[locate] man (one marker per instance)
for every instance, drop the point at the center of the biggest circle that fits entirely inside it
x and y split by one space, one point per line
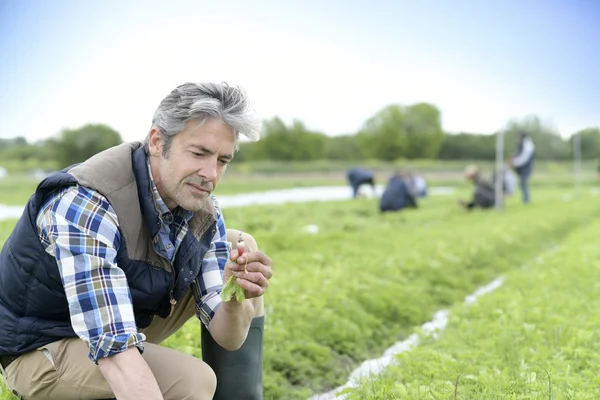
523 163
360 176
397 195
484 195
115 254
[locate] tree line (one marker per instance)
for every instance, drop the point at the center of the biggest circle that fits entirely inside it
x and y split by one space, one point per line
412 132
395 132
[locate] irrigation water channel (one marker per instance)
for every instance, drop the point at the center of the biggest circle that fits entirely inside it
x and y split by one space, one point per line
280 196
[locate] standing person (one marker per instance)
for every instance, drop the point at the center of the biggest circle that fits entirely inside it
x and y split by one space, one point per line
522 163
114 255
484 194
360 176
397 195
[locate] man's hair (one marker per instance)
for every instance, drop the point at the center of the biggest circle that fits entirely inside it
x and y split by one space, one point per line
206 101
471 170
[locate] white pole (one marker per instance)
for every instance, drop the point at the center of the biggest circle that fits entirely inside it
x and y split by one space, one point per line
577 163
499 170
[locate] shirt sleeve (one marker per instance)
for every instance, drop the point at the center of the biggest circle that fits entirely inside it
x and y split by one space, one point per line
207 287
80 229
527 151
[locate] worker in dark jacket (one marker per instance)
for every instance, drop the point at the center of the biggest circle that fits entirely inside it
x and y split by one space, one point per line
359 176
397 195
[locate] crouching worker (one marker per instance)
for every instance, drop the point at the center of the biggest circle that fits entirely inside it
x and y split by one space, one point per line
113 255
397 195
358 177
484 194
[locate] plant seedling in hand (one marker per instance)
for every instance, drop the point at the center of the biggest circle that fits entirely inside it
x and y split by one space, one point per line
232 289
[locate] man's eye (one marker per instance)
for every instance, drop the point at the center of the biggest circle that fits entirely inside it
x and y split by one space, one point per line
196 154
224 162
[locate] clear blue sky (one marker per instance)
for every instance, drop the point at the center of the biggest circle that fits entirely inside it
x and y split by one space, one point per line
332 64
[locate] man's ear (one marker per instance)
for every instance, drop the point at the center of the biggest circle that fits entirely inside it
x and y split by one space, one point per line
155 141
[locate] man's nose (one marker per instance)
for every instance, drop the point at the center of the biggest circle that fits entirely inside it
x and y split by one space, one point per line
209 170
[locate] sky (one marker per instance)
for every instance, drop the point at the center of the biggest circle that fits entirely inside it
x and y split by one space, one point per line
331 64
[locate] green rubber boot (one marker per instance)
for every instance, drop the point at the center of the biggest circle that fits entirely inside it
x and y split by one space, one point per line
239 372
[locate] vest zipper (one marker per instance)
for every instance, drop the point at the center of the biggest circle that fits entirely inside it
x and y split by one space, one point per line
173 303
172 300
171 295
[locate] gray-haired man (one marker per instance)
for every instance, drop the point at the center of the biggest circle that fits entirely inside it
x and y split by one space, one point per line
115 254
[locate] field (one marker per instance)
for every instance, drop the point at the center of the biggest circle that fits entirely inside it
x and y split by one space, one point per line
366 280
534 338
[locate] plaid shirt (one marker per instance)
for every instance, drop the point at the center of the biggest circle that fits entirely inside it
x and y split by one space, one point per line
79 227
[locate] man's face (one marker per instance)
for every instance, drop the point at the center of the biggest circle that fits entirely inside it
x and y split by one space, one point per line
194 164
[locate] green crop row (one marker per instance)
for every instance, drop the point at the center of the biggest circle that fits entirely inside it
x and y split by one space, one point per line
366 280
536 337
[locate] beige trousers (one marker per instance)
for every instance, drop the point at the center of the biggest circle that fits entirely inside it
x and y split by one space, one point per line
62 370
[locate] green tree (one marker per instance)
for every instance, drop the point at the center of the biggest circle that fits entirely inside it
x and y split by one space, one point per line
383 135
590 142
402 132
468 146
424 129
281 142
344 147
77 145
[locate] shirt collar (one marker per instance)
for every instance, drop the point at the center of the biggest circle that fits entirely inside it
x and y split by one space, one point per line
161 206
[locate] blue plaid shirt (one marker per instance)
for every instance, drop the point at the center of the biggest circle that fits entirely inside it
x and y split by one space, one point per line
173 226
79 227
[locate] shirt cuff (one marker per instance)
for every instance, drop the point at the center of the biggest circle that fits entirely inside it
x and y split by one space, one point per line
210 303
109 345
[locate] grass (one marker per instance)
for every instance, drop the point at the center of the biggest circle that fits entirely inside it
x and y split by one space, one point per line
367 280
16 189
534 338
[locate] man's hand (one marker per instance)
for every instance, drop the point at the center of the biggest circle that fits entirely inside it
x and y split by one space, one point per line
232 319
256 280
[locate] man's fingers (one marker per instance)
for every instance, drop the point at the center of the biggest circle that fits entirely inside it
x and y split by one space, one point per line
252 289
253 256
234 254
253 267
254 277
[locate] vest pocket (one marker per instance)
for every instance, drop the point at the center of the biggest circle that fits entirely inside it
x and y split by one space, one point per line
156 265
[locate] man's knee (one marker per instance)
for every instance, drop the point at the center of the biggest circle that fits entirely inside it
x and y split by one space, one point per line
206 390
195 383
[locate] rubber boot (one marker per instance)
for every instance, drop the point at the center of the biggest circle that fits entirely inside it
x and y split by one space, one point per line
239 372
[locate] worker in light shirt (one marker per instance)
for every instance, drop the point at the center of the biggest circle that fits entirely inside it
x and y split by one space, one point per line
522 163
